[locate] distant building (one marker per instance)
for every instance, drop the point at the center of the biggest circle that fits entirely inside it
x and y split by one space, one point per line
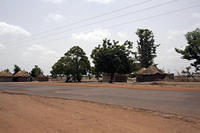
116 78
152 73
22 76
41 77
5 76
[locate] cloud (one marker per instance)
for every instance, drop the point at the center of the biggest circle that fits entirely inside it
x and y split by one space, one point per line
174 34
2 47
40 52
54 17
54 1
196 15
101 1
7 29
122 35
96 35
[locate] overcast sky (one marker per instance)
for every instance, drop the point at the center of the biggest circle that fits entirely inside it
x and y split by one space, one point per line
39 32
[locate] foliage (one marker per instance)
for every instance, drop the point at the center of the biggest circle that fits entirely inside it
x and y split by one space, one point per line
16 69
146 47
192 50
110 57
97 74
188 72
6 70
36 71
73 64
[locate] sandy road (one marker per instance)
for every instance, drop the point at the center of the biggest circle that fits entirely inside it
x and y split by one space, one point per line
33 114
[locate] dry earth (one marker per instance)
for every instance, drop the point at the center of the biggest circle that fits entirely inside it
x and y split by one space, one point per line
33 114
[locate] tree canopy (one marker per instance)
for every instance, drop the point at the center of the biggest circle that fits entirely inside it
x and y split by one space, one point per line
36 71
146 47
16 69
111 57
192 50
73 64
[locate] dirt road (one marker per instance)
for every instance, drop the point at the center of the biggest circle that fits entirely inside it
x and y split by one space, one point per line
33 114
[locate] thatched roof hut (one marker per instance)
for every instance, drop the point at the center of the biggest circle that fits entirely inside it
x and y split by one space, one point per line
41 77
152 73
22 76
5 76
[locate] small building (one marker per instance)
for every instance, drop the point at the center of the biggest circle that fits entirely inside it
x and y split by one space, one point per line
41 77
152 73
116 78
22 76
5 76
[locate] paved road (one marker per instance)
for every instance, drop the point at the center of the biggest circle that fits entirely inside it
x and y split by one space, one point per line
182 103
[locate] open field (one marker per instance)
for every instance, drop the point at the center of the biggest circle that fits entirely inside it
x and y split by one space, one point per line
22 114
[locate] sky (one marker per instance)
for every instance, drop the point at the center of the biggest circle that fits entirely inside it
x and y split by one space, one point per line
39 32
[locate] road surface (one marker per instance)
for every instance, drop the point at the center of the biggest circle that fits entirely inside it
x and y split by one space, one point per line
172 102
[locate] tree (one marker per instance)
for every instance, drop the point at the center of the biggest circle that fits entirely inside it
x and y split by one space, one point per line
6 70
73 64
16 69
110 57
36 71
94 72
58 68
146 47
192 50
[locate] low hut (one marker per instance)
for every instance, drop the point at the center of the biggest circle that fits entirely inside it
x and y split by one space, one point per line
41 77
21 76
116 78
5 76
152 73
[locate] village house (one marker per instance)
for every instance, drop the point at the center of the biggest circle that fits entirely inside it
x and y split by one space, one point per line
5 76
152 73
22 76
116 78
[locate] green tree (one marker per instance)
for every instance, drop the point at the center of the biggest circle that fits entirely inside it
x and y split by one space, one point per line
16 69
6 70
146 47
36 71
94 72
192 50
58 69
110 57
73 64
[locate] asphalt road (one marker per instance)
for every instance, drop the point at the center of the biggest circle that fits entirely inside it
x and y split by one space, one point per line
173 102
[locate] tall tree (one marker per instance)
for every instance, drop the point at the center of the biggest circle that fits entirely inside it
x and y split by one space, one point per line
192 50
73 64
16 69
36 71
110 57
146 47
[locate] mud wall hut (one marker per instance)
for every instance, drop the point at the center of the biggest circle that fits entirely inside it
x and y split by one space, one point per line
41 77
22 76
116 78
5 76
152 73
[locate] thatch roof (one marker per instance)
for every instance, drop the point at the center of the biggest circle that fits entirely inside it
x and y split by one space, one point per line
151 70
22 74
141 70
5 74
41 75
